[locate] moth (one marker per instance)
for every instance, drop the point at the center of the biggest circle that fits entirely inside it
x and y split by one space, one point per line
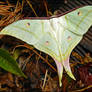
56 36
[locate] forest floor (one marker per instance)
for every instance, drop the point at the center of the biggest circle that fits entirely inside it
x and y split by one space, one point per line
39 67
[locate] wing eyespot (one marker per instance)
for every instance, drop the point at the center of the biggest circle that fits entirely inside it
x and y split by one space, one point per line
47 43
69 38
28 24
79 13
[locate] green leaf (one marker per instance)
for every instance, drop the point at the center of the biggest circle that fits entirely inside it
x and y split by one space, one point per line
8 63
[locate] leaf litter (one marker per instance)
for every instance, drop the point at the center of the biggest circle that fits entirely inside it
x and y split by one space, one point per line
39 67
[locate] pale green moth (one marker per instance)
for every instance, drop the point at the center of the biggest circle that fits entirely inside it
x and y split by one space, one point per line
56 36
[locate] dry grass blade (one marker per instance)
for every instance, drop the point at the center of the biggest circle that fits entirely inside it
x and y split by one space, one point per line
23 1
45 4
32 8
45 79
2 2
5 9
8 14
27 46
18 6
81 90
